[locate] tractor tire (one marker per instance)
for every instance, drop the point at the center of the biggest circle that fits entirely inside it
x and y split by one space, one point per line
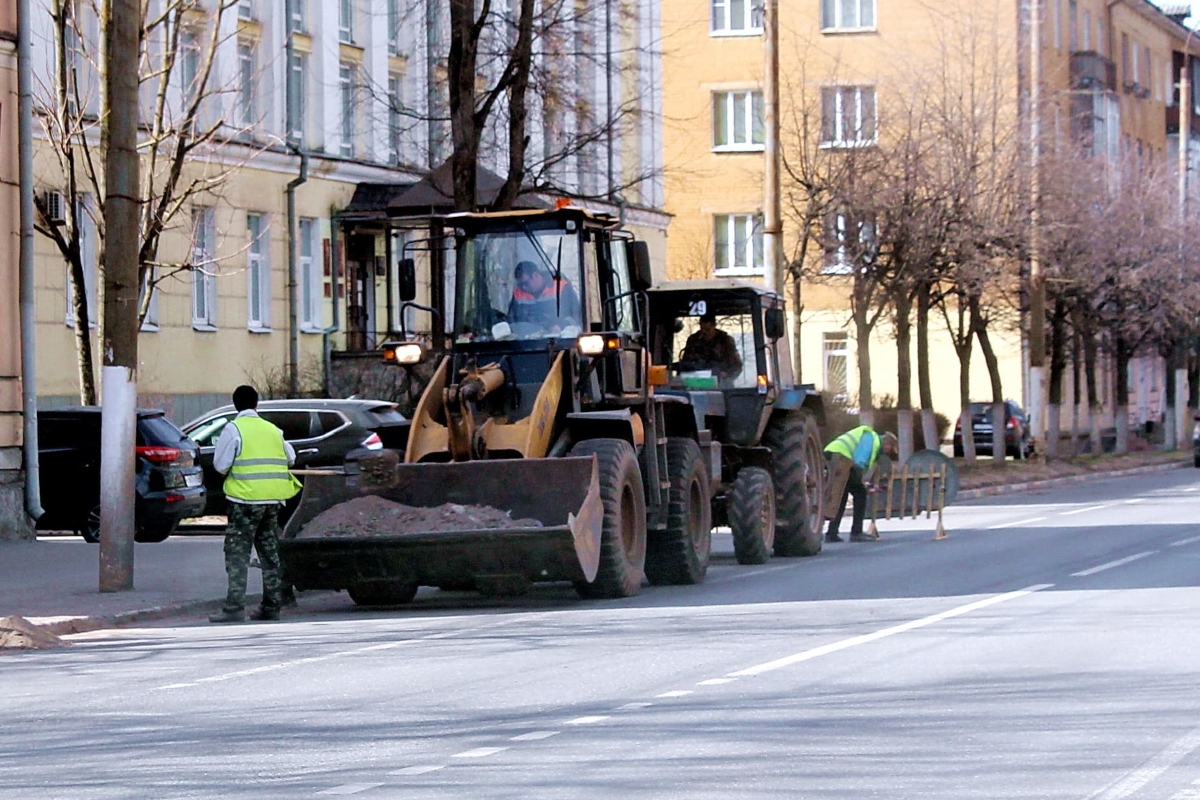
799 483
679 555
751 508
382 594
623 532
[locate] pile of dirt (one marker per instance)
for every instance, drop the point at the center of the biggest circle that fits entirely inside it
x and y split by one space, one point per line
371 515
16 633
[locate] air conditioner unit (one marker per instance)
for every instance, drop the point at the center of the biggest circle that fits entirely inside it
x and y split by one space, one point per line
54 205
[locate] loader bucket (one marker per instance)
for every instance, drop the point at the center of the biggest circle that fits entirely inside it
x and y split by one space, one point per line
563 494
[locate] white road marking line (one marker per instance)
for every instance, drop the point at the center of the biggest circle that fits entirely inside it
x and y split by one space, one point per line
1111 564
534 736
634 706
677 693
1137 778
854 641
715 681
350 788
330 656
584 720
1083 510
1182 542
1014 524
418 770
752 573
479 752
1135 500
1191 488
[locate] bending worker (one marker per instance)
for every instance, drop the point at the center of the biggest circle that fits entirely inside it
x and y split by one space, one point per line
852 460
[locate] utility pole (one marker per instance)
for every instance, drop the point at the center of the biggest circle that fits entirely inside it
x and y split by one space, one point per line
121 25
1182 428
772 229
1037 282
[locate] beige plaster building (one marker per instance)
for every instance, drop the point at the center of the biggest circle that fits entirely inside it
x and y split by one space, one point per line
1109 71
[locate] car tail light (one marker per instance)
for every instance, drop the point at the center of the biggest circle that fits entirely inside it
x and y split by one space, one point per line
175 498
373 442
160 455
1012 423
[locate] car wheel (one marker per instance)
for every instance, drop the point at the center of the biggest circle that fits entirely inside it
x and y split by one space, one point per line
89 526
153 535
958 450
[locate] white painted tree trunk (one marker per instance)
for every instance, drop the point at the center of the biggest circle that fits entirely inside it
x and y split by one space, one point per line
118 440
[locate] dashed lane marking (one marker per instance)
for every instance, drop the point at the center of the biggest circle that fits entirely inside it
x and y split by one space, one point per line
479 752
1083 510
676 693
1182 542
534 736
715 681
634 706
350 788
912 625
420 769
1135 500
585 720
1015 524
1119 562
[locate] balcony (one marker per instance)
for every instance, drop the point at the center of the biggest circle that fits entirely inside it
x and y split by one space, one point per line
1091 71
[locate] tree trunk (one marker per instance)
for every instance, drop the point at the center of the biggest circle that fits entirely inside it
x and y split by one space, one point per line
963 335
1121 390
797 361
1058 366
520 60
979 325
1095 443
862 330
903 319
929 437
1168 423
464 43
1076 389
83 337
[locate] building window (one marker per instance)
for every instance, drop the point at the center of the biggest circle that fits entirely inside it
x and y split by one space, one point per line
847 243
258 274
204 278
296 98
394 11
346 21
738 121
246 10
847 15
836 352
88 259
310 277
738 244
1086 29
298 23
149 284
737 16
189 66
848 116
395 104
247 91
348 83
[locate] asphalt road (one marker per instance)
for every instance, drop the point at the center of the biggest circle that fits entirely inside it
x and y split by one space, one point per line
1046 649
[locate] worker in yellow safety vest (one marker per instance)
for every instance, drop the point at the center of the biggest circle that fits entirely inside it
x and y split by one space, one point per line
852 458
254 457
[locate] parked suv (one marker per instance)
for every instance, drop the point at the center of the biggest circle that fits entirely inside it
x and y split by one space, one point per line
1016 430
321 431
168 480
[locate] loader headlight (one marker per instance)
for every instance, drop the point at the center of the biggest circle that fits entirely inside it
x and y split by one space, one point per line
591 344
403 353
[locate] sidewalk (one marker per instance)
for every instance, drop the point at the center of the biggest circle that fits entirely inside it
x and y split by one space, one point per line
53 582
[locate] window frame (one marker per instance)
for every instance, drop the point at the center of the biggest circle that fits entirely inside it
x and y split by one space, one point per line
89 259
346 14
750 108
247 56
307 229
751 242
837 257
258 272
297 98
395 101
752 18
838 139
348 103
837 10
204 283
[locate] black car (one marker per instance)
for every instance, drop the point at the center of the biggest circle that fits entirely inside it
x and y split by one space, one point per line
169 481
1017 441
321 431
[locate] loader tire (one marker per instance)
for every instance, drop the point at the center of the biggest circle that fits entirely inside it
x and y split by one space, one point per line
623 531
751 508
382 594
795 443
679 555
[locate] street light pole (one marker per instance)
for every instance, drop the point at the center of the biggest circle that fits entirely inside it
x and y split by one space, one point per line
1182 429
1037 283
772 229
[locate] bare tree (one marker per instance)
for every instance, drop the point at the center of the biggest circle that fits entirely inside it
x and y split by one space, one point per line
181 124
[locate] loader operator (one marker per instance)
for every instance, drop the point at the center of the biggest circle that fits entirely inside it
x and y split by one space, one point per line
712 348
542 301
852 459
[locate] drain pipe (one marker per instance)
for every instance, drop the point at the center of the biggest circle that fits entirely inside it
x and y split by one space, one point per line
33 487
293 329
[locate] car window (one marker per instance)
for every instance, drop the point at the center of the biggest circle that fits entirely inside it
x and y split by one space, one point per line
384 415
63 432
294 424
329 421
158 430
206 433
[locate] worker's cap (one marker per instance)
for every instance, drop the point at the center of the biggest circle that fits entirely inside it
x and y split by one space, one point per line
528 268
890 438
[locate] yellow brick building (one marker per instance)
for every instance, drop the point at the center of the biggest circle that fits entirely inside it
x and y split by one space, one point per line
845 66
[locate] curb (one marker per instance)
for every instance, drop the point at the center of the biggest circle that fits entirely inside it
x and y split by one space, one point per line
71 625
1069 480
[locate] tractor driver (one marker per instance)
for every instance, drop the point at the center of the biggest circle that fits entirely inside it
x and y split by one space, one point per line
713 348
540 300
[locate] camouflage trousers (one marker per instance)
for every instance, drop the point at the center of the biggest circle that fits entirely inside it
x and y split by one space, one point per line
254 526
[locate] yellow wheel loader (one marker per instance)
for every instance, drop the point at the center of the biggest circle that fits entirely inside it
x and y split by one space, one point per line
544 407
